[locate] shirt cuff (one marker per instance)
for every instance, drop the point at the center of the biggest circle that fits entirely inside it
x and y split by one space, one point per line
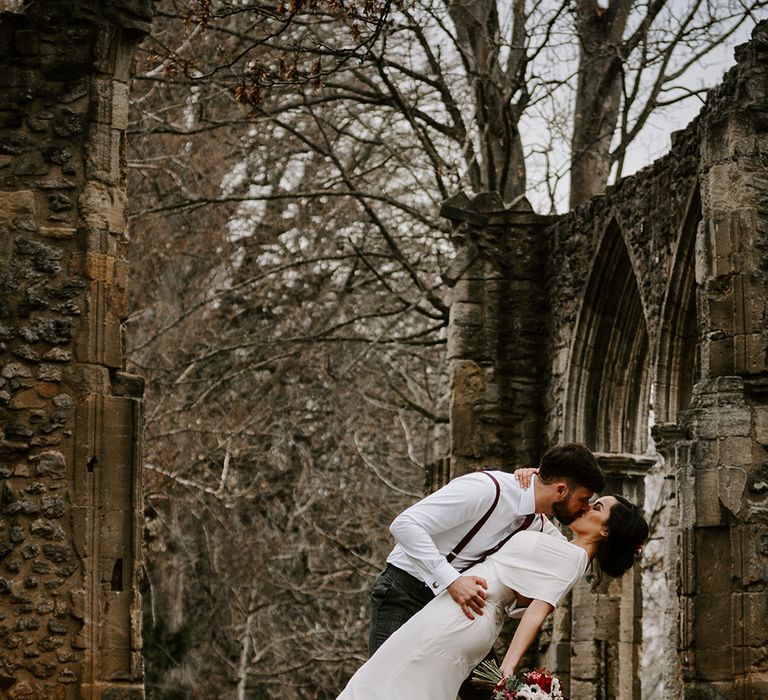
443 577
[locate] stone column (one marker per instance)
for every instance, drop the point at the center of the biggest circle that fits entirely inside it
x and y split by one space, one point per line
496 336
606 617
668 437
722 562
722 472
70 453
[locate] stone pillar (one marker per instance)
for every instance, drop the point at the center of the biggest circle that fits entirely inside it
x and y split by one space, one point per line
70 454
722 472
496 335
667 437
723 571
606 616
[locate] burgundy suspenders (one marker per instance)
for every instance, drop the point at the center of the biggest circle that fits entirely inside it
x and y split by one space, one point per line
476 528
526 523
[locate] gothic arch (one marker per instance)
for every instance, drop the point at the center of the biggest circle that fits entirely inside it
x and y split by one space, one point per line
607 393
677 359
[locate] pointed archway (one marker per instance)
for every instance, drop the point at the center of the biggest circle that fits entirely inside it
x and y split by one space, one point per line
607 402
607 394
677 369
677 357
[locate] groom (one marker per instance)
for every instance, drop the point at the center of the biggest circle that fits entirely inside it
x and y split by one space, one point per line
466 521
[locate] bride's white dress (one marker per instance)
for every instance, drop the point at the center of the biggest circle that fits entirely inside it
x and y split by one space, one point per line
429 657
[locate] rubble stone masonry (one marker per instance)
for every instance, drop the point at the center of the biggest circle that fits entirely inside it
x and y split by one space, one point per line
70 498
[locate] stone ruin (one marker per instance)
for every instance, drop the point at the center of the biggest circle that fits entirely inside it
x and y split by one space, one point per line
652 297
70 448
643 308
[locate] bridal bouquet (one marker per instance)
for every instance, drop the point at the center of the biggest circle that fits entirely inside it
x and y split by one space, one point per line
533 685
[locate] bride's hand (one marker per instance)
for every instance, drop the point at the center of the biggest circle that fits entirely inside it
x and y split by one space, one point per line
469 593
524 475
506 672
502 684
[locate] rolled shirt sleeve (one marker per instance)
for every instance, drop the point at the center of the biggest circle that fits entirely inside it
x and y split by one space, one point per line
460 503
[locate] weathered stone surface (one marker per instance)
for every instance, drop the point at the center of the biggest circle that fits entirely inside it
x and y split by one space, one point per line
50 463
28 399
123 693
566 329
58 554
35 257
53 506
12 370
22 691
64 78
49 330
49 373
464 314
47 530
58 355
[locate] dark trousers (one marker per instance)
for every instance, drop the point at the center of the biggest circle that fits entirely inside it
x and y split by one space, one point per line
397 596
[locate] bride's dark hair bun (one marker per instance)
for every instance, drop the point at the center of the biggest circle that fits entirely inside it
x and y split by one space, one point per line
627 531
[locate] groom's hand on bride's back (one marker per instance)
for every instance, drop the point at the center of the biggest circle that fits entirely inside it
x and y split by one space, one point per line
469 593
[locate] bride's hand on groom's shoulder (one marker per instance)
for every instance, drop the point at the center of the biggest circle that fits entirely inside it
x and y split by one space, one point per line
524 475
469 594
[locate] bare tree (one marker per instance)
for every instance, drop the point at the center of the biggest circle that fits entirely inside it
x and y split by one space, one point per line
633 57
286 168
295 371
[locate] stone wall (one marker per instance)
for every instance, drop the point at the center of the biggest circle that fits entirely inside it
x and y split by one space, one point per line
647 302
494 346
70 497
721 458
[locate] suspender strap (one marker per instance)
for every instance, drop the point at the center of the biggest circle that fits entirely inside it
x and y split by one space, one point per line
526 524
476 527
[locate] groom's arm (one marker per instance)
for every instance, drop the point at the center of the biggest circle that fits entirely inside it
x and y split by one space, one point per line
469 593
461 502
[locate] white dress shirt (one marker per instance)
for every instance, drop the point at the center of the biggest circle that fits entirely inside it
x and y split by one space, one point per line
427 531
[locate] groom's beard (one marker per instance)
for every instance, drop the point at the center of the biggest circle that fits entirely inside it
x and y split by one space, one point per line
561 512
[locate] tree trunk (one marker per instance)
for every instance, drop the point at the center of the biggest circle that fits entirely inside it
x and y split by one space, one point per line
478 37
598 95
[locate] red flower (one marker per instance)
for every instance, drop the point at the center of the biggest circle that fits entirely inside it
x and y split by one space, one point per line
540 678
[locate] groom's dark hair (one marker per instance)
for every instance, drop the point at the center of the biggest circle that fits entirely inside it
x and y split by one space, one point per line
574 464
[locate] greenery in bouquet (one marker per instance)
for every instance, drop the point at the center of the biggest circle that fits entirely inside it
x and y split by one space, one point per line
538 684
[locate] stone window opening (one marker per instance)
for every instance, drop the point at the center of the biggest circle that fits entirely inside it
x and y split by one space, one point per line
678 368
116 584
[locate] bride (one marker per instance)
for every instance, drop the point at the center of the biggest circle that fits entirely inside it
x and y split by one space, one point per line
429 657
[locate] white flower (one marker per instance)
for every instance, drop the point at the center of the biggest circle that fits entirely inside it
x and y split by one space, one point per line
534 692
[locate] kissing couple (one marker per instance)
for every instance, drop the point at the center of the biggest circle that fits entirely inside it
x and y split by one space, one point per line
480 545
